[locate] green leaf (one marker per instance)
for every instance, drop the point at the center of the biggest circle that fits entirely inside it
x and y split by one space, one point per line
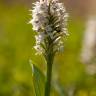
38 80
59 88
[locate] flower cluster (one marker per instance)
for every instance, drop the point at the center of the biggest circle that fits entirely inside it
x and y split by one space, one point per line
49 20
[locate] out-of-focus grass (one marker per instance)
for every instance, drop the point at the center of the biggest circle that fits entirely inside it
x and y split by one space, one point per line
16 41
15 50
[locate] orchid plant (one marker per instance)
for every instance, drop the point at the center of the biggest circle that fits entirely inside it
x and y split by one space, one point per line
49 21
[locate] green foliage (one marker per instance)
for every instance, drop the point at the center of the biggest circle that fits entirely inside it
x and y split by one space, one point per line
59 88
16 41
38 81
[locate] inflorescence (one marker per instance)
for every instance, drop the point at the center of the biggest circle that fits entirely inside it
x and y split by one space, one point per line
49 20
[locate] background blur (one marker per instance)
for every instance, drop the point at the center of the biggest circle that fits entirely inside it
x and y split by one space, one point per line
17 40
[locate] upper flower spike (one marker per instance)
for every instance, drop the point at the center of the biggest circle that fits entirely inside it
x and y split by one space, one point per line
49 20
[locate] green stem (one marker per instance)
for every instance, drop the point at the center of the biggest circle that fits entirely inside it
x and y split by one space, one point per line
48 80
48 74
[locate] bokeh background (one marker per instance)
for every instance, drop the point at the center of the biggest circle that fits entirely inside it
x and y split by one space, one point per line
17 40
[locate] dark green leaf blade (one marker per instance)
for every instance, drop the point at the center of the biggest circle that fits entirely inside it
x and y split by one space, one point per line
38 80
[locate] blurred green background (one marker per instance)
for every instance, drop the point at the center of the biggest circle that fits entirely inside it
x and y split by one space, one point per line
16 43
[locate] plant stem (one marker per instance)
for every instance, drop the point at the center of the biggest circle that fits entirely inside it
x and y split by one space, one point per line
48 75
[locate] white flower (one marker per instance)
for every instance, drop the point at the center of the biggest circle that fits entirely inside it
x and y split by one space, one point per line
38 49
49 20
61 49
48 28
39 38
